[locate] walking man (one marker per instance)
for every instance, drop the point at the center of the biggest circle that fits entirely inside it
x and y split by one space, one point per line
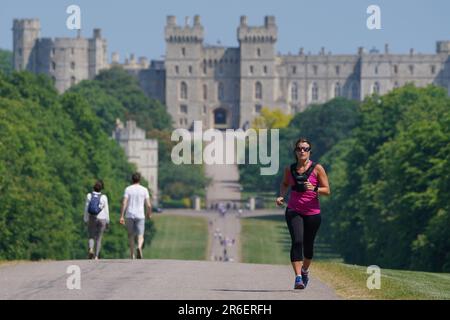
132 213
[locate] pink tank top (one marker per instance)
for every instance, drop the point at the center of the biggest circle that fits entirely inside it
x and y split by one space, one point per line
305 203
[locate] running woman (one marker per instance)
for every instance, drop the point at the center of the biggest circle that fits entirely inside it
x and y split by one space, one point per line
307 181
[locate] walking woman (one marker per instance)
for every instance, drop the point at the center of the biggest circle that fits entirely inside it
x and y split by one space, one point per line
96 215
307 181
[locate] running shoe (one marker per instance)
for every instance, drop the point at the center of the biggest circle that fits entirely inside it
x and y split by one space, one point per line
299 283
91 254
139 253
305 277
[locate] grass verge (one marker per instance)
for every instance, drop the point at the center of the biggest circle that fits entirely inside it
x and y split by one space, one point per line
178 237
266 240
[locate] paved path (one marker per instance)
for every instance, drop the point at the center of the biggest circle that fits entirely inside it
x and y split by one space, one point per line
224 187
156 280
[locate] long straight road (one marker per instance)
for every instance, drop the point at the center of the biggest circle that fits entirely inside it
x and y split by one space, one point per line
155 280
224 187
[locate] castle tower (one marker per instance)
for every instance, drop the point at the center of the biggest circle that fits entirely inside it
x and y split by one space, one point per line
184 46
141 151
97 54
25 34
257 74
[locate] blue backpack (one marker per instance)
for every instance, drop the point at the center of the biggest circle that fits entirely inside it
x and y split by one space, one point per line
94 207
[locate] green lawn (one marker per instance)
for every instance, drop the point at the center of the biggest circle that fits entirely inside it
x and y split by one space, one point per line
178 237
266 240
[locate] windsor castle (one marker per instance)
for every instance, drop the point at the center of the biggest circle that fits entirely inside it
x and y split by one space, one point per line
226 87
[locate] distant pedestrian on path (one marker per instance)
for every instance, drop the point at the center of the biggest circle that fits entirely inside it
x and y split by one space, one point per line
132 213
307 181
96 215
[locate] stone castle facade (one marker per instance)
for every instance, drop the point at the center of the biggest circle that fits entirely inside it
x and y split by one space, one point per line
141 151
226 87
66 60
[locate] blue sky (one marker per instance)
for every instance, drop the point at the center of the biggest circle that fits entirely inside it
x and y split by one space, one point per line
136 26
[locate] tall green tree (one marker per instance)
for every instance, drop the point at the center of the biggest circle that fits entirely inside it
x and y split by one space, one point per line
391 194
52 149
6 61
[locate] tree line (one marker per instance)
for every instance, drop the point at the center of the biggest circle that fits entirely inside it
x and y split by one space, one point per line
52 149
388 163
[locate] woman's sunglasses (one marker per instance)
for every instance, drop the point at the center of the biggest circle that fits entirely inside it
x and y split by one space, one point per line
306 149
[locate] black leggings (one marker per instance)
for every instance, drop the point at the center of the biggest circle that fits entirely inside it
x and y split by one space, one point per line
303 230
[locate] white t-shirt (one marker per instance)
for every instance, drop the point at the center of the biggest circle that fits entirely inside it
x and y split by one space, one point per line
104 214
136 195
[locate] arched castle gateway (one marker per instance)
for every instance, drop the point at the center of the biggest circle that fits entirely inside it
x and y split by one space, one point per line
226 87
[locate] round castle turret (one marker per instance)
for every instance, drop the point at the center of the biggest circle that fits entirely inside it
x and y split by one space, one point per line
25 34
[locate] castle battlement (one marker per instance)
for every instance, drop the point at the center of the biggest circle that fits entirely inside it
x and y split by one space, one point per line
254 34
32 23
187 33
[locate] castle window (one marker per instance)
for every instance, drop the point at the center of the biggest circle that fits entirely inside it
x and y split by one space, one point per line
294 70
204 67
73 80
294 91
72 65
396 69
376 88
221 91
258 90
177 70
183 109
53 66
190 69
265 69
376 70
338 70
258 108
258 52
183 52
204 109
411 69
53 51
337 90
315 70
205 92
183 91
220 69
251 69
433 69
314 92
396 85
